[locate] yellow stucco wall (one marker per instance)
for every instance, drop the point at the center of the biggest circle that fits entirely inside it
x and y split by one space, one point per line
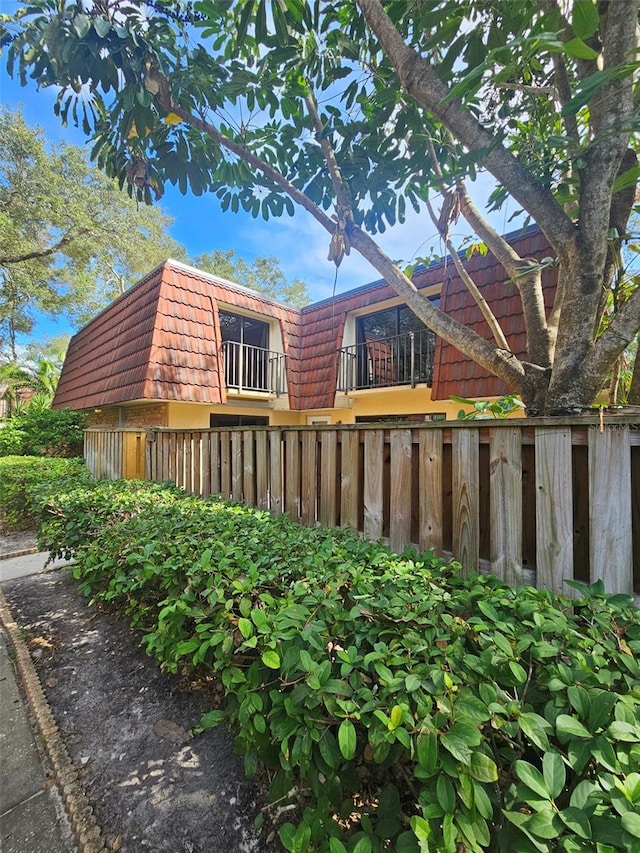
382 402
385 402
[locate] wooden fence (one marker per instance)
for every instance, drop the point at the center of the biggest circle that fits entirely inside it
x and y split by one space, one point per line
534 502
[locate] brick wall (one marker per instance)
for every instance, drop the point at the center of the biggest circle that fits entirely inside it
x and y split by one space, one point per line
139 416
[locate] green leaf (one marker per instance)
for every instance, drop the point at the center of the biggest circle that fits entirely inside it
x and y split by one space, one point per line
82 25
482 768
532 778
577 49
449 834
554 773
600 709
347 739
585 18
428 751
329 750
101 26
396 717
271 658
631 823
580 700
535 728
625 732
457 747
577 821
420 827
446 794
412 682
406 843
544 824
336 846
568 727
245 626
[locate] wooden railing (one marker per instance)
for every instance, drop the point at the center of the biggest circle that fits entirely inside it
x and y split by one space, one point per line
534 503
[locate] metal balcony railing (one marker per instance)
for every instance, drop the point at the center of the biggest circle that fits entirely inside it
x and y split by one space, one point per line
249 368
383 362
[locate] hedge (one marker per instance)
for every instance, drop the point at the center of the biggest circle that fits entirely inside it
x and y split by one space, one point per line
394 703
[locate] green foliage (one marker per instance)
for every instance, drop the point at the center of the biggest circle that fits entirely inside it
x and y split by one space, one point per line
396 703
27 482
37 430
69 240
263 275
484 409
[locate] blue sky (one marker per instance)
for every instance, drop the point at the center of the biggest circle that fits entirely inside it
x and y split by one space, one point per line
298 242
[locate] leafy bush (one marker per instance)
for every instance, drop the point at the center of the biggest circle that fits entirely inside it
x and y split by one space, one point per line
43 432
395 704
27 482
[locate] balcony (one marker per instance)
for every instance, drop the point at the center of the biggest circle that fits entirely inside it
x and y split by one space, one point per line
249 369
386 362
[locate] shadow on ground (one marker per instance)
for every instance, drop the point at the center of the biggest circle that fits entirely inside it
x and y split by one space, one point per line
126 724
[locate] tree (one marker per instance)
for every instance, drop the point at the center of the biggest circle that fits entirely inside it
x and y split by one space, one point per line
69 240
263 274
362 108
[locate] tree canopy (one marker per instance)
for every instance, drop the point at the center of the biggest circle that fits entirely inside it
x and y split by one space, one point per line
356 110
70 241
263 274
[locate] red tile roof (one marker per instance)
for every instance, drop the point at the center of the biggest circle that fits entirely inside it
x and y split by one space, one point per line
161 339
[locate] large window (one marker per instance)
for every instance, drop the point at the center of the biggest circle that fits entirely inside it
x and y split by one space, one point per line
393 347
245 344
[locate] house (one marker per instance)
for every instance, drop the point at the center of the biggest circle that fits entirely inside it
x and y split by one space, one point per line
188 350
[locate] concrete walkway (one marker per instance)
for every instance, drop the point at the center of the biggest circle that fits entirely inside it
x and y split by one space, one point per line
32 818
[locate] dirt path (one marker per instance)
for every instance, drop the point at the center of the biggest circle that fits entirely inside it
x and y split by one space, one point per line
125 726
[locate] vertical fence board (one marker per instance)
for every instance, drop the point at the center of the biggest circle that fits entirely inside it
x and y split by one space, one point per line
205 462
554 502
262 468
505 503
328 476
430 490
188 462
349 451
308 497
401 497
610 536
248 469
225 464
196 483
292 474
276 503
236 465
214 455
373 483
466 501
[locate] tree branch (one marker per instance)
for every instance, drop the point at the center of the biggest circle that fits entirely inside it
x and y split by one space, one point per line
469 283
422 82
42 253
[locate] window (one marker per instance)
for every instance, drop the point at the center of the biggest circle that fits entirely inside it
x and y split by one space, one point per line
393 347
216 420
245 342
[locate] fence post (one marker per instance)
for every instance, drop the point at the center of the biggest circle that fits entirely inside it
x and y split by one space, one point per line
554 509
610 533
505 496
466 498
430 490
373 483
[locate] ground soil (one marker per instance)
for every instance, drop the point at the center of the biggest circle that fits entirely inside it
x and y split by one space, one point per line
126 724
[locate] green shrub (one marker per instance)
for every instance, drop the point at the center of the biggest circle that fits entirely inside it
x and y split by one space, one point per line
43 432
26 483
395 704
